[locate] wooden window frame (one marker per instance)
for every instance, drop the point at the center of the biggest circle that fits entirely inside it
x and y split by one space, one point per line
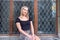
11 19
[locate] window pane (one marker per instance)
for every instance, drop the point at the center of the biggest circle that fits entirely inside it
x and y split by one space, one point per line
47 16
4 17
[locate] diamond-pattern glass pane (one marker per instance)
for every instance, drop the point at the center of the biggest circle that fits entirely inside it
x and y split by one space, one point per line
17 7
47 16
4 17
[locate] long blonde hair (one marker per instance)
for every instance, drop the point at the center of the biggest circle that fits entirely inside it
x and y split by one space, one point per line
24 7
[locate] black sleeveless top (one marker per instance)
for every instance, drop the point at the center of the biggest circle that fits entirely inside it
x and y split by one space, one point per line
25 25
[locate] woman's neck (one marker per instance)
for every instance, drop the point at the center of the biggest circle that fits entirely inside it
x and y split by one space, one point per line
23 18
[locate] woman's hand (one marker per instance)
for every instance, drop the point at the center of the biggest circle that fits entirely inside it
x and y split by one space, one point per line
33 37
36 37
30 37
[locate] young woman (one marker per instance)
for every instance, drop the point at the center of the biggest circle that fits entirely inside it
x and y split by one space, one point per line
24 24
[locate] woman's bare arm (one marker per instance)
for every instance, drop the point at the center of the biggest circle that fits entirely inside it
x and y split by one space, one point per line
20 30
32 29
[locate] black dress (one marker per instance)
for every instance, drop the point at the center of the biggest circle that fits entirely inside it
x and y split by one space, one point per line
25 25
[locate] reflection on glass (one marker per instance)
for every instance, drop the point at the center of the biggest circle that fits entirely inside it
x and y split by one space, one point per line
53 9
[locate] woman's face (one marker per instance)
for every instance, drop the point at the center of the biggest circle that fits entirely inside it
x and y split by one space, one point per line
25 11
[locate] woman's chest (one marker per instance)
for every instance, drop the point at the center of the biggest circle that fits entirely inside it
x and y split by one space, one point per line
25 22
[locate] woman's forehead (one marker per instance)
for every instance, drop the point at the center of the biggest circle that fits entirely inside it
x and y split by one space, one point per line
26 8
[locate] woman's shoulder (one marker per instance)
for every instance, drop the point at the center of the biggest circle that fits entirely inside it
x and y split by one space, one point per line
17 20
